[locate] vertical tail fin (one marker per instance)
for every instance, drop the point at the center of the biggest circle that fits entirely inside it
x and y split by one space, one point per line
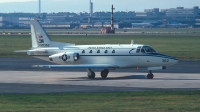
40 39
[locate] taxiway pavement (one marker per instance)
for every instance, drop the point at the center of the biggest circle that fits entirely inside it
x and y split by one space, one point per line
24 64
18 77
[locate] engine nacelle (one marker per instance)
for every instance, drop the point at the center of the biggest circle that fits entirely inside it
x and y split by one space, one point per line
66 57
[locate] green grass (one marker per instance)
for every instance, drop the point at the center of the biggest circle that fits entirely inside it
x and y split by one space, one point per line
182 47
103 102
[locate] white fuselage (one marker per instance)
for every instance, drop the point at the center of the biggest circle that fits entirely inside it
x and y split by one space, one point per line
124 56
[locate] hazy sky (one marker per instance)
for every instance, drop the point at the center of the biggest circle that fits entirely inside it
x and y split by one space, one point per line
7 6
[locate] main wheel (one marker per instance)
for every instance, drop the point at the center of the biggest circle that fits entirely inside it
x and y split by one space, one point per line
92 76
150 76
104 73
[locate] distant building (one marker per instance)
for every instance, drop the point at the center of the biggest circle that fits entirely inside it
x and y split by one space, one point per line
189 16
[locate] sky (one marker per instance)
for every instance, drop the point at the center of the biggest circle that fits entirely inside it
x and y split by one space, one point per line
31 6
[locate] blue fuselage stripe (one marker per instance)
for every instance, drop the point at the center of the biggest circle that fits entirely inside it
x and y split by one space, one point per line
150 54
162 56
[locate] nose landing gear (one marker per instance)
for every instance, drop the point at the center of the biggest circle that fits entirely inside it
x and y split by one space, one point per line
150 75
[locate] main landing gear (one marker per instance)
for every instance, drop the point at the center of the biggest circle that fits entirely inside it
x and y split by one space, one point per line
150 75
91 74
104 73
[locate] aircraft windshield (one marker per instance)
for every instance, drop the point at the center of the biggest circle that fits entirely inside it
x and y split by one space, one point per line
147 49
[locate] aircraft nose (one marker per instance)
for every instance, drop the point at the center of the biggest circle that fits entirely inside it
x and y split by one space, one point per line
174 60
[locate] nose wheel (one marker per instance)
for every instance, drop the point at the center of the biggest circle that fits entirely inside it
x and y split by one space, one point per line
150 75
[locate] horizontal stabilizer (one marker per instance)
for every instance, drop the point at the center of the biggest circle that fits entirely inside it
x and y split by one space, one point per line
78 66
21 51
31 52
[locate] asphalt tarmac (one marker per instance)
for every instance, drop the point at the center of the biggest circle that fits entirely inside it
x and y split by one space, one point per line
18 77
24 64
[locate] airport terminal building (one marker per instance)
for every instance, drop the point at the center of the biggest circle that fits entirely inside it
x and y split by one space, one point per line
187 17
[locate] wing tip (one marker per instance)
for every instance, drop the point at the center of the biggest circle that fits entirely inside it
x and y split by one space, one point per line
41 66
35 66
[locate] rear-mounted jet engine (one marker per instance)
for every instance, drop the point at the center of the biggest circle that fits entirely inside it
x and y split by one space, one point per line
66 57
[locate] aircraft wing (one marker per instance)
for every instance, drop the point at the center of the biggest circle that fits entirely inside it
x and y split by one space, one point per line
102 66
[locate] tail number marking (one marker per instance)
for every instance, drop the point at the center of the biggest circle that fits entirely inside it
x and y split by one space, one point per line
165 60
44 45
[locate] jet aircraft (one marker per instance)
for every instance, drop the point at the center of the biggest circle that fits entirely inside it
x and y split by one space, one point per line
106 57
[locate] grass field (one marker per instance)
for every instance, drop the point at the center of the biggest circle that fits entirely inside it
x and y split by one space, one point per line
103 102
181 47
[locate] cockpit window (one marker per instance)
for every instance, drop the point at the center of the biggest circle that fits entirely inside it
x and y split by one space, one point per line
147 49
143 51
138 49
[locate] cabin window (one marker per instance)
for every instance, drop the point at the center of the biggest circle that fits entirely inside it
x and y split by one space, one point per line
113 51
90 51
98 51
83 51
106 51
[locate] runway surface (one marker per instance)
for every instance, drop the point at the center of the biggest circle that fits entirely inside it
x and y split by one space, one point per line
17 76
24 64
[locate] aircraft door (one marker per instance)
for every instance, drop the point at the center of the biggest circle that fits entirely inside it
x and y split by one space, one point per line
138 57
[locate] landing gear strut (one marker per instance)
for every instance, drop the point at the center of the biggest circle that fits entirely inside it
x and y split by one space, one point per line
104 73
91 74
150 75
